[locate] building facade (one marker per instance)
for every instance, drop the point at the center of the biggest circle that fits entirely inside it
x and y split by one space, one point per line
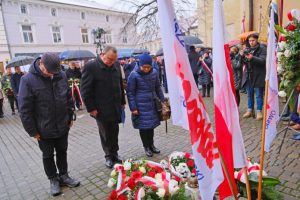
37 26
235 11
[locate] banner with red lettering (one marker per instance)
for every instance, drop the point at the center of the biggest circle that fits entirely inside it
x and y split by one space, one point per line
188 109
272 116
228 130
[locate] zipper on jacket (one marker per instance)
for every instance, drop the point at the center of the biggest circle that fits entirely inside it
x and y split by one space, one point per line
53 97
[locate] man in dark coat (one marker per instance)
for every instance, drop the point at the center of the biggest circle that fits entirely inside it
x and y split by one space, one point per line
194 58
7 89
46 111
254 56
103 94
128 68
237 71
15 82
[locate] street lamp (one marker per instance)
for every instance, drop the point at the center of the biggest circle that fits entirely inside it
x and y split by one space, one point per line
98 38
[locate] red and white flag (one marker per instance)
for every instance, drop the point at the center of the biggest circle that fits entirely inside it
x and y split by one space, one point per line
228 130
272 116
188 109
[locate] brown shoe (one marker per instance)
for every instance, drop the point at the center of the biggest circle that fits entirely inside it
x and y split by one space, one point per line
296 127
259 115
247 114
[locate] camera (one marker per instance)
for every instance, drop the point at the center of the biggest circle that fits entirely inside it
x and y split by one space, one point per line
247 51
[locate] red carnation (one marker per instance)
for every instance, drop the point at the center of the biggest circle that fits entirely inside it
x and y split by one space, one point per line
290 16
187 155
131 183
194 171
291 27
122 197
151 174
190 163
137 174
113 195
282 38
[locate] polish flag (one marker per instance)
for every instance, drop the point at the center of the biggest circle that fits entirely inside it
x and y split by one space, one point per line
272 116
228 130
188 109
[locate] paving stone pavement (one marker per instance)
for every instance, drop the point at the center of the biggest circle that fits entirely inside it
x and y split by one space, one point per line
22 175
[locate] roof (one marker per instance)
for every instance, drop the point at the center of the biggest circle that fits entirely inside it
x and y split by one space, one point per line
85 3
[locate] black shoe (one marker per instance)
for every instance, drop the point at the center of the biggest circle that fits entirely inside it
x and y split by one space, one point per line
66 180
117 159
208 95
148 152
54 186
109 163
154 149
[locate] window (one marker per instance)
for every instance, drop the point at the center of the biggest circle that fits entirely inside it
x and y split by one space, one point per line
107 18
124 38
23 9
56 34
53 12
107 37
82 15
27 34
84 35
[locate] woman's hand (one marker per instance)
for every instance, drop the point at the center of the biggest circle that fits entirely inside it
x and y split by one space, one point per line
135 112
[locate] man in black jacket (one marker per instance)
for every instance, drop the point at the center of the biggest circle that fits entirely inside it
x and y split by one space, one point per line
194 58
254 57
103 94
15 82
46 111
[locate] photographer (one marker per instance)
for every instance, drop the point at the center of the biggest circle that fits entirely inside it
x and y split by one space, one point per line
254 57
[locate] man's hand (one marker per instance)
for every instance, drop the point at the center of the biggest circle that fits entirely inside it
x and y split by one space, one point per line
37 137
135 112
94 113
249 56
71 124
241 52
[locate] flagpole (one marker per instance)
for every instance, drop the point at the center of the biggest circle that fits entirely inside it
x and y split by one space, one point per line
263 137
247 183
227 175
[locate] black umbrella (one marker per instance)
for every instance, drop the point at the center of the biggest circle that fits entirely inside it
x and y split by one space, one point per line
160 52
191 40
76 55
20 61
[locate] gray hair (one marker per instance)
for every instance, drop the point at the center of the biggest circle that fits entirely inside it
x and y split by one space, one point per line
108 49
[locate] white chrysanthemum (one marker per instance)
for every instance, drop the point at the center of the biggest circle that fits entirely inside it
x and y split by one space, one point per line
287 53
173 186
113 173
280 69
282 94
111 182
127 165
142 169
282 45
161 192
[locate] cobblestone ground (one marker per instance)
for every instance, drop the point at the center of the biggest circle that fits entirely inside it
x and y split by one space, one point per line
22 175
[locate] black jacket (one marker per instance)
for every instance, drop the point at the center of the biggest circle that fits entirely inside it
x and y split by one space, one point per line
256 67
237 70
194 58
102 90
15 82
73 73
45 104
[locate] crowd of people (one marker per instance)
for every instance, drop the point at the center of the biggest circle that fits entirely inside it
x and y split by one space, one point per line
46 99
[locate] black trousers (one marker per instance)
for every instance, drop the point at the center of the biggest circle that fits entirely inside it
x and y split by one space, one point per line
237 96
1 107
147 136
109 133
206 90
60 145
12 101
196 77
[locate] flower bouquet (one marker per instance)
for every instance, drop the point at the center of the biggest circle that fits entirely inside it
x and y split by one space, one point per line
288 54
268 193
143 179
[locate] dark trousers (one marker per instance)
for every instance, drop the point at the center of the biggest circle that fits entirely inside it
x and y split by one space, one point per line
1 107
147 136
109 132
206 90
12 101
60 145
196 77
237 96
77 100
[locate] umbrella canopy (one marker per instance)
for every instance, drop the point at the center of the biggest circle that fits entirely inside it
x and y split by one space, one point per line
140 51
76 55
125 53
20 61
160 52
191 40
234 42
